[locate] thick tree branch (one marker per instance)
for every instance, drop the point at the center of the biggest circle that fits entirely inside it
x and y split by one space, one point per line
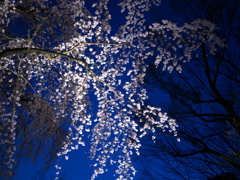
19 51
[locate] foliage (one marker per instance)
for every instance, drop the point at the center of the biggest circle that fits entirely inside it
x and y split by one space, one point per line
64 74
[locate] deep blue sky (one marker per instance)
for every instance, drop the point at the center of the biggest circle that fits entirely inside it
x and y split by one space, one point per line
78 167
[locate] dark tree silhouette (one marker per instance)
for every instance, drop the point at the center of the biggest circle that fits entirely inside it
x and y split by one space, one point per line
224 176
204 99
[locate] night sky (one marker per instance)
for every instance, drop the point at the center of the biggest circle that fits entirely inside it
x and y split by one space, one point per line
77 167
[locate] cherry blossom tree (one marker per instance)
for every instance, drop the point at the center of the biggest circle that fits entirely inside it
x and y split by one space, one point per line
59 58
